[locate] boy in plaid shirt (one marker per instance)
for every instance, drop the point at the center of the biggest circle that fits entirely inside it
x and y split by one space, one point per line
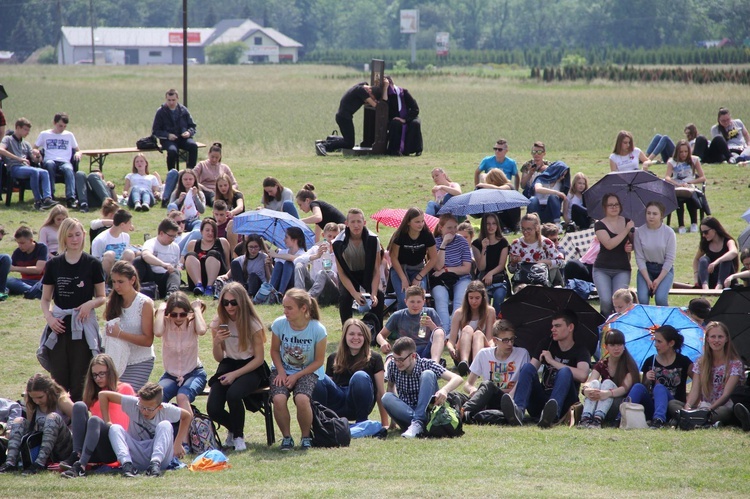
415 381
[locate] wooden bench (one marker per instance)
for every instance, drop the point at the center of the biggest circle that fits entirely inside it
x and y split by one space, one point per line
258 401
695 292
98 156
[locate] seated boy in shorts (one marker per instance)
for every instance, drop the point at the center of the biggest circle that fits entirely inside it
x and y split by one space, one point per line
420 323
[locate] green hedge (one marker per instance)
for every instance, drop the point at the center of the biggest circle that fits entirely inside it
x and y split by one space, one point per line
630 73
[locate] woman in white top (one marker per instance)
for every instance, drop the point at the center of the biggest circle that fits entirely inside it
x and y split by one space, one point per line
442 191
471 327
685 172
626 157
141 188
238 338
655 251
130 326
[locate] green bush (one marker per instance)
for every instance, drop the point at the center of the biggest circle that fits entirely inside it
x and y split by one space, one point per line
225 53
47 56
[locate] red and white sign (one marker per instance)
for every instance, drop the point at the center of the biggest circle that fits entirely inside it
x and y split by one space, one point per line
441 43
192 37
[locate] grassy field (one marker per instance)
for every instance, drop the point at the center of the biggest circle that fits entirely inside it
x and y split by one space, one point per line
267 118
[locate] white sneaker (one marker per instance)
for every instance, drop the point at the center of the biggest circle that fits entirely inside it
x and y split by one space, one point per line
681 230
693 227
414 430
229 440
239 444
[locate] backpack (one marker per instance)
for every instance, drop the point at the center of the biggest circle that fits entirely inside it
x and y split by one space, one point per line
267 295
328 429
150 289
202 434
445 420
30 445
147 143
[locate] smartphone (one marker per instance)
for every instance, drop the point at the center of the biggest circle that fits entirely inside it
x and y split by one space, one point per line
223 327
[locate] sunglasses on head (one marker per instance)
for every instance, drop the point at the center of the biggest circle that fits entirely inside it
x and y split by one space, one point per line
227 303
180 315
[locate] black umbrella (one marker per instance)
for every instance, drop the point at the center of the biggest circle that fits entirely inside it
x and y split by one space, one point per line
733 309
531 310
3 93
635 190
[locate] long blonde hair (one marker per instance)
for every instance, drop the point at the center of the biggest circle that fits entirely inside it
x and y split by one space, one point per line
706 362
244 317
62 233
53 213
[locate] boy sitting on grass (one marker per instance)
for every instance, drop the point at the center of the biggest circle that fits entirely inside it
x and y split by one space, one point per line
28 260
420 323
149 443
412 382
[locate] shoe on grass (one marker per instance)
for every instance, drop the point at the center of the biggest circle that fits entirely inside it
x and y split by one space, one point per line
549 414
306 443
154 469
414 430
199 290
239 444
75 471
513 415
463 368
320 149
69 461
47 203
681 230
287 443
128 471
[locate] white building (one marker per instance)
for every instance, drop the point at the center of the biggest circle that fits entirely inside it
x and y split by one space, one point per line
164 45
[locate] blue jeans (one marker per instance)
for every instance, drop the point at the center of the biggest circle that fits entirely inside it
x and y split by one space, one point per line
433 207
170 184
5 263
404 414
288 207
282 274
91 189
443 300
193 383
30 288
654 405
661 297
354 402
190 236
68 175
607 281
497 292
38 180
411 273
140 195
549 212
661 144
530 394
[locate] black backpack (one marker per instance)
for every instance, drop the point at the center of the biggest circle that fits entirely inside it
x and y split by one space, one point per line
328 429
148 143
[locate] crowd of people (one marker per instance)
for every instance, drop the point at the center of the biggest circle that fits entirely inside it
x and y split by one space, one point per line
96 407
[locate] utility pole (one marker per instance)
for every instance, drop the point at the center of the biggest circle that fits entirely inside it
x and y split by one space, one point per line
184 52
93 44
59 28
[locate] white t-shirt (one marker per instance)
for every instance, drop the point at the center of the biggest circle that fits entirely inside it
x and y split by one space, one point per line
627 163
168 254
106 242
501 372
57 146
147 182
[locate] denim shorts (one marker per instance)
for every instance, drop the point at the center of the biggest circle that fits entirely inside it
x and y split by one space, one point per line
193 383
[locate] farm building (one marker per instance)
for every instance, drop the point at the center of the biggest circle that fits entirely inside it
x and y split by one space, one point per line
164 45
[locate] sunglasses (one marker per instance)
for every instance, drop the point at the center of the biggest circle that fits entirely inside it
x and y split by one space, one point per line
178 315
498 148
537 151
704 232
227 303
179 222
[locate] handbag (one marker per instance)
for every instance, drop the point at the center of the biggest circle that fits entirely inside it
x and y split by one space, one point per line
447 279
147 143
694 418
632 416
532 273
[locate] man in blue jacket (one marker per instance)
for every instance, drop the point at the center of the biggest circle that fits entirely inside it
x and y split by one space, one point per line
175 128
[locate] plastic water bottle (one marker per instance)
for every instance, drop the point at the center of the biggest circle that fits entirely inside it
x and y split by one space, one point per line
422 328
326 261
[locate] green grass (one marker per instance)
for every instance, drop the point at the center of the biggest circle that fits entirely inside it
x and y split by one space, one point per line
267 118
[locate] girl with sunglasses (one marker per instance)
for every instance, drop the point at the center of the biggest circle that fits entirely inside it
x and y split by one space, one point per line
238 338
179 323
90 432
